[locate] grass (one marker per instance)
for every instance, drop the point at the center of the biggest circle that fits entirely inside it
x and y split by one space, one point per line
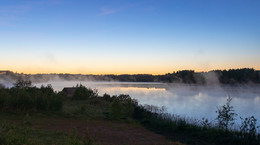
190 132
12 134
92 108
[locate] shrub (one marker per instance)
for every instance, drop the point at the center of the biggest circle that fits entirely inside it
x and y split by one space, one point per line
4 95
83 93
29 99
107 97
205 123
128 108
55 103
226 115
248 128
20 83
116 109
123 106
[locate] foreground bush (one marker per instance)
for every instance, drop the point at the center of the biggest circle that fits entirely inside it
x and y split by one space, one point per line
122 106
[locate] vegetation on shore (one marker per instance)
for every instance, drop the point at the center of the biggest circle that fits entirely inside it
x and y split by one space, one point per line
24 97
201 132
87 104
231 76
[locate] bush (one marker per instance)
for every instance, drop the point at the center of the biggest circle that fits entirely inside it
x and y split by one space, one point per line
248 130
83 93
226 115
107 97
4 95
122 106
29 99
116 109
20 83
55 103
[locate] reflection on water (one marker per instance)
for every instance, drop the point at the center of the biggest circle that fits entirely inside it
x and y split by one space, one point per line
186 100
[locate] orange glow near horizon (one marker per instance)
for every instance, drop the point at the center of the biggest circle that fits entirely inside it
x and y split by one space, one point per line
118 72
130 66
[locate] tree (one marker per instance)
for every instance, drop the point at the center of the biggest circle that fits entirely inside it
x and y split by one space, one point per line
226 115
83 93
21 84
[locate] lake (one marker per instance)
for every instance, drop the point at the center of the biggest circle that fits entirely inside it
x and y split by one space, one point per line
192 101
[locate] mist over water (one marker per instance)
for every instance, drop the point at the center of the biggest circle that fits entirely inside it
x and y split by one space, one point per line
192 101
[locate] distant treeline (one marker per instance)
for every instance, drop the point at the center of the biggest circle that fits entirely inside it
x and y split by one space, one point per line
231 76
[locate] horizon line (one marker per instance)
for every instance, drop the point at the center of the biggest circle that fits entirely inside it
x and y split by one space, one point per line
128 73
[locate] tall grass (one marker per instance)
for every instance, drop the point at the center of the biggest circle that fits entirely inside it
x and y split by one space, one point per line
194 132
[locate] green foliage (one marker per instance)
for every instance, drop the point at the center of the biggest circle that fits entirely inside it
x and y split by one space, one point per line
12 135
129 108
205 123
231 76
29 99
20 83
123 106
187 76
4 95
83 93
226 115
203 132
116 109
80 110
248 130
75 139
107 97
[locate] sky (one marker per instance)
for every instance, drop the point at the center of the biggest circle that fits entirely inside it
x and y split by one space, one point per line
128 36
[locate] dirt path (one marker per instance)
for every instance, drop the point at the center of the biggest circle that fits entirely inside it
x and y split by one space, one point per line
105 132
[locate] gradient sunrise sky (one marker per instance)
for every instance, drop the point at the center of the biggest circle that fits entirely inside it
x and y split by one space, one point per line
128 36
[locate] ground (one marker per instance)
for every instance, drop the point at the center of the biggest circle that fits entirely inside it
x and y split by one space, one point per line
103 132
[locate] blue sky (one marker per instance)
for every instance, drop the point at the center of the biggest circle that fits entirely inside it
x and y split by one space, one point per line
135 36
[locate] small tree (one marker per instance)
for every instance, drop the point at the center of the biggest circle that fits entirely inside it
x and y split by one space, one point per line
83 93
226 115
21 84
249 128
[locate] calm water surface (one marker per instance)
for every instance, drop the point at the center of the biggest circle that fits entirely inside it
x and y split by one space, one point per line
193 101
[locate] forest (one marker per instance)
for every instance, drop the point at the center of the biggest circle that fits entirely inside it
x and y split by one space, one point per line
231 76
